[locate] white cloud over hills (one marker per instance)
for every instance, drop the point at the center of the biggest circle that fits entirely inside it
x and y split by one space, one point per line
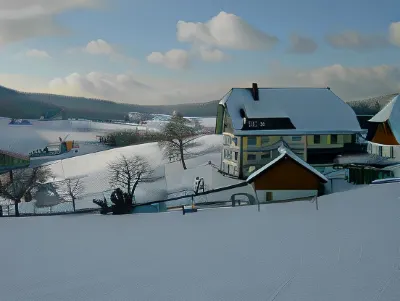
348 83
22 19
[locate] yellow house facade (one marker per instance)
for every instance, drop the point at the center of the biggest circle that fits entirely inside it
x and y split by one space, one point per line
249 153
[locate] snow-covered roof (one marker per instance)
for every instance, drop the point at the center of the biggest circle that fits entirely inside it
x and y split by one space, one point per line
283 153
309 109
384 114
390 113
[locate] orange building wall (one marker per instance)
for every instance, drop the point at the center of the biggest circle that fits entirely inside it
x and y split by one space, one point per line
384 135
287 175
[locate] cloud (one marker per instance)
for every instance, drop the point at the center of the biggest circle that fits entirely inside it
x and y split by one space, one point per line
173 59
394 33
99 47
130 88
102 47
225 31
35 53
356 41
348 83
212 55
23 19
302 45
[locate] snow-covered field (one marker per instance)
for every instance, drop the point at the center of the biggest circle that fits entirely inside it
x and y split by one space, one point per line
348 250
26 138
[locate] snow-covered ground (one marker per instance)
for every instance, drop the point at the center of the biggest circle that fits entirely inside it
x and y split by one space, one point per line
347 250
26 138
93 167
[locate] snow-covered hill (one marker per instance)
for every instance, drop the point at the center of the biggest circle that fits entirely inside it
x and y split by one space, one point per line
348 250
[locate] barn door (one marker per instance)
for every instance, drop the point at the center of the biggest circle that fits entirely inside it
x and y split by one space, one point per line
268 197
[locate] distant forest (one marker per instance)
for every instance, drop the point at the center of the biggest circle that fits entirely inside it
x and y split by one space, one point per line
15 104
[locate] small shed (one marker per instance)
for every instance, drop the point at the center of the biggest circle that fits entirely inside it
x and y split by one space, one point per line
287 177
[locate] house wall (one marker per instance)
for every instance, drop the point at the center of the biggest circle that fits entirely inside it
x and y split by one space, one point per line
298 144
326 141
283 195
384 135
287 175
392 152
231 157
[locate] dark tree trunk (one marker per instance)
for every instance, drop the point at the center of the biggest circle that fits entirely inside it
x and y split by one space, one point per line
73 203
16 207
181 154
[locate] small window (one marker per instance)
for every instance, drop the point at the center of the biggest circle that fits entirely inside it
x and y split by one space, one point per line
391 152
380 150
236 156
252 141
317 139
266 155
234 141
251 157
334 139
296 138
265 140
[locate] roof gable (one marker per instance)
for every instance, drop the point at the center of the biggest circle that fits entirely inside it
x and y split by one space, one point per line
285 152
309 109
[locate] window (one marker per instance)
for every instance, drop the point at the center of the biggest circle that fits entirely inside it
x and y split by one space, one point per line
317 139
334 139
251 157
380 150
227 154
266 156
235 171
234 141
296 138
252 141
268 196
265 140
391 152
236 156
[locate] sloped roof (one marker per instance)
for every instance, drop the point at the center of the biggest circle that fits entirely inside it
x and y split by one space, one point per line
391 114
283 153
309 109
384 114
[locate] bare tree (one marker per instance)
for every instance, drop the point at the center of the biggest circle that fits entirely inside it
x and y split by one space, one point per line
22 183
178 137
71 189
127 172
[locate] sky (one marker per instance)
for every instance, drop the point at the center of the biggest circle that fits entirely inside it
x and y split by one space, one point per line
183 51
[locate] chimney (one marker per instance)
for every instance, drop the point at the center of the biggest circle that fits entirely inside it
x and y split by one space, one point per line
254 91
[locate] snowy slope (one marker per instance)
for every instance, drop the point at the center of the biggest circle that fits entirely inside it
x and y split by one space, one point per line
94 169
348 250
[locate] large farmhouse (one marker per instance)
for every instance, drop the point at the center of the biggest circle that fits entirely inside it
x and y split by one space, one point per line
314 123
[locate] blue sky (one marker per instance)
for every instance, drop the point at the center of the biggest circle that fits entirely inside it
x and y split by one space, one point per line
345 44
